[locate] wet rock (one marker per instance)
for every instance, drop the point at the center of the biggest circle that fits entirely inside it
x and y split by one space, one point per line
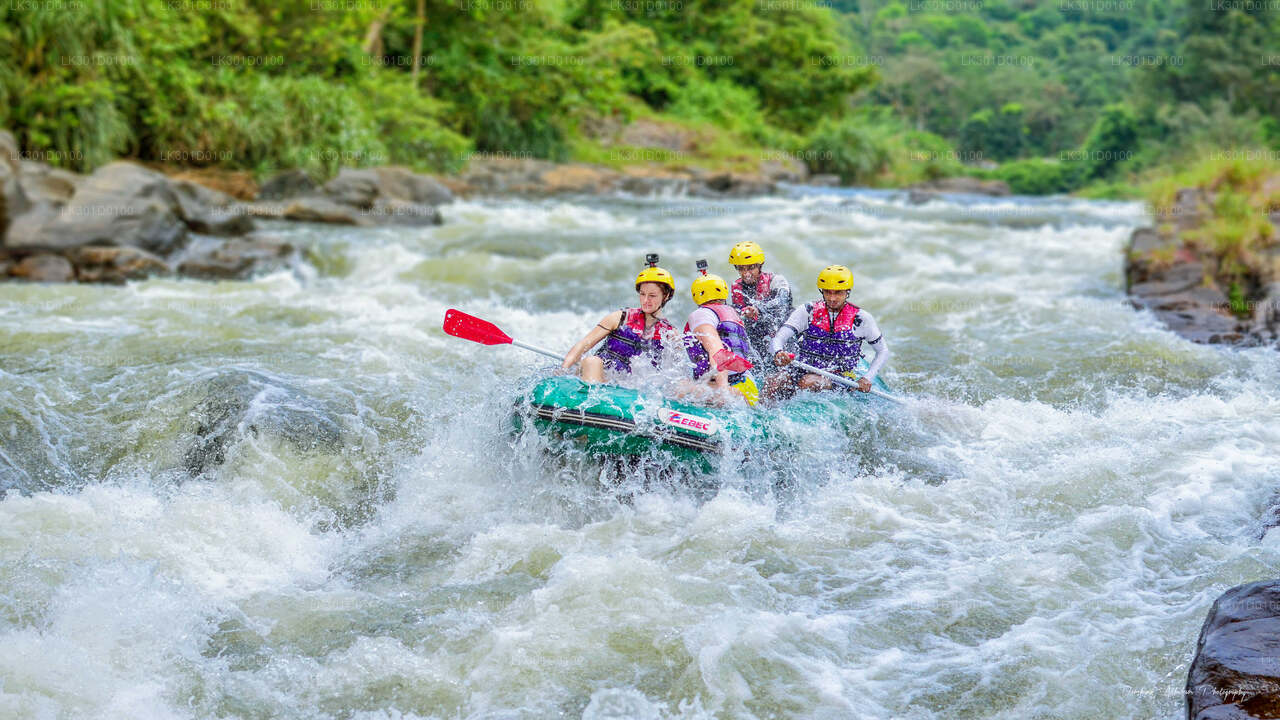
115 265
1236 669
286 185
119 204
397 183
13 200
44 267
1175 279
733 185
920 197
236 404
236 258
825 180
29 463
318 209
210 212
503 175
966 185
45 184
357 188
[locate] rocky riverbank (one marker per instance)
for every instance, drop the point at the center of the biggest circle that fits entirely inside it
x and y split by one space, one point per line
125 221
1199 274
1236 671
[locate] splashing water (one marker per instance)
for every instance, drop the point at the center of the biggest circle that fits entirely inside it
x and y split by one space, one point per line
295 497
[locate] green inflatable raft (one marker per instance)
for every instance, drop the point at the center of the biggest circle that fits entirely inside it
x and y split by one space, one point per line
611 420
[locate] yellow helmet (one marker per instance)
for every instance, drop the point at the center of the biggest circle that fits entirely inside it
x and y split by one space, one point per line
709 287
655 274
746 253
835 277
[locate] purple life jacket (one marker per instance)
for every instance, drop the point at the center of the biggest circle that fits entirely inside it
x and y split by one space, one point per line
732 333
628 341
836 349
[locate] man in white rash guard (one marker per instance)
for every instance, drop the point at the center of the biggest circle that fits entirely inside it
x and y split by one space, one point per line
831 336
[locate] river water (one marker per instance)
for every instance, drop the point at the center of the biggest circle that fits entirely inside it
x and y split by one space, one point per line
295 497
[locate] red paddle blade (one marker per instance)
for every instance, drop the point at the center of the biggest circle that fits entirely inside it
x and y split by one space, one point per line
470 327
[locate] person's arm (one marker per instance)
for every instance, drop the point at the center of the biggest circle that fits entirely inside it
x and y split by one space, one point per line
607 325
870 333
794 324
712 343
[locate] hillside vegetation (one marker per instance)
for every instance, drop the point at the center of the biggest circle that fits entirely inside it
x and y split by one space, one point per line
1077 94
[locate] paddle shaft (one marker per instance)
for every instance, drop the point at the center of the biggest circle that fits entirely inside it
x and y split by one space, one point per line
535 348
842 380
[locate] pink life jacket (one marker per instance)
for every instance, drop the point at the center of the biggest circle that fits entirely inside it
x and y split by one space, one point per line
762 290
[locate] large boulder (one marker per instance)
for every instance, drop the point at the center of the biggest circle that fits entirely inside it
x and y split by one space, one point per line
357 188
397 183
235 258
1236 669
103 264
44 267
504 175
47 185
236 403
364 187
1175 277
13 201
318 209
119 204
286 185
210 212
728 184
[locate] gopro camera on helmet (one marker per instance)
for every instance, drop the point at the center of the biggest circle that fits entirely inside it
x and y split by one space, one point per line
651 259
702 265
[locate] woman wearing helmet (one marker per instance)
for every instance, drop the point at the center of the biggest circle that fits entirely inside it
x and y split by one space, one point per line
832 333
629 333
716 338
762 299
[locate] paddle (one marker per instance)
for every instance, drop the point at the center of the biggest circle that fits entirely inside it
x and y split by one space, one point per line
470 327
842 379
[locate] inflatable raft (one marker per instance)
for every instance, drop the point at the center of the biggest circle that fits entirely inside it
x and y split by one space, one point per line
612 420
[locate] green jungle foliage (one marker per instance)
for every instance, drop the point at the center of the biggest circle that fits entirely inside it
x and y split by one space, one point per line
1051 97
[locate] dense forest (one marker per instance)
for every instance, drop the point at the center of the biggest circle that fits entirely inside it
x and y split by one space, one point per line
1051 97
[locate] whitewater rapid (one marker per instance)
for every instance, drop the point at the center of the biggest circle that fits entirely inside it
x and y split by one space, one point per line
357 534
